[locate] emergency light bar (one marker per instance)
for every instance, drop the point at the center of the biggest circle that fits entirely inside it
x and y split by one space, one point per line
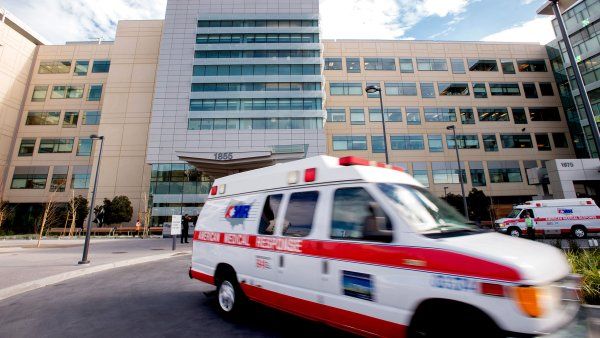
353 160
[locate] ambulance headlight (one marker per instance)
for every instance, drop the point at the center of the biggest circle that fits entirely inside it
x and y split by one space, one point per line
501 225
535 301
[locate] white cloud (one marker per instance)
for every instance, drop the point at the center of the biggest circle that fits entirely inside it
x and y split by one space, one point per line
527 2
536 30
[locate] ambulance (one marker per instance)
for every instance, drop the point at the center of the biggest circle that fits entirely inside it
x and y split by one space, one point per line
576 217
364 247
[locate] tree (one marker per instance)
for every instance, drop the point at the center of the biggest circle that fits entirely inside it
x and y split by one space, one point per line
52 215
77 211
6 211
118 210
456 201
479 205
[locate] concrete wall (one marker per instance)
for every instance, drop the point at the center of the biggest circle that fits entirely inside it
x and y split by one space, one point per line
562 173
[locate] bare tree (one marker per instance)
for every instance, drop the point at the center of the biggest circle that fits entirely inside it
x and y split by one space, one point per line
51 216
146 218
6 211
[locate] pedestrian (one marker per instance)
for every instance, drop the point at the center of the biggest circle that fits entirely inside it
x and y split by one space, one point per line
185 228
530 223
138 227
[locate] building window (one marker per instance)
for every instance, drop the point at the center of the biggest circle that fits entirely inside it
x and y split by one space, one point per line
56 145
543 142
519 115
464 141
413 115
493 114
258 23
477 173
467 116
256 38
333 63
300 213
560 140
101 66
407 142
55 67
391 114
91 117
95 92
435 114
508 67
43 118
453 88
544 114
429 64
357 116
58 183
505 89
336 115
447 172
67 92
251 54
255 104
482 65
349 143
380 64
401 89
532 66
420 173
512 141
257 70
345 89
28 145
29 178
70 119
427 90
529 165
490 143
80 178
377 145
435 143
255 124
375 94
479 90
406 66
353 65
530 90
458 66
504 171
546 89
39 93
84 147
256 87
81 67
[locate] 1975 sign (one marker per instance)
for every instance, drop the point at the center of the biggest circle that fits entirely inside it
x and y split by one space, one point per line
223 156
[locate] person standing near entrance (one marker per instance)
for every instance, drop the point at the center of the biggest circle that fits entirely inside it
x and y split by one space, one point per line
185 228
530 223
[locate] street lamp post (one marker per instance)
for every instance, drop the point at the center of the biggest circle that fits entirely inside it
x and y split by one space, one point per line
86 245
375 89
460 176
587 107
445 192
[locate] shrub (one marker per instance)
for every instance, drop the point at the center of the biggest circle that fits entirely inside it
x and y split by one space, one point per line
587 264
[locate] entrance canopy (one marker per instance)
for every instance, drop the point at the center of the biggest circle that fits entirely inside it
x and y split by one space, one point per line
227 162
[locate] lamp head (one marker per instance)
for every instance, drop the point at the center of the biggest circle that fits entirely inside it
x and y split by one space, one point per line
450 127
96 137
372 89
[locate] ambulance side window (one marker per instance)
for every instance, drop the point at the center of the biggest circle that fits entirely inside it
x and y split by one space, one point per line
527 211
357 216
300 213
269 214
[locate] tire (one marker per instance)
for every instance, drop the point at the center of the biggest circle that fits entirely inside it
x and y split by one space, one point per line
579 231
514 232
230 298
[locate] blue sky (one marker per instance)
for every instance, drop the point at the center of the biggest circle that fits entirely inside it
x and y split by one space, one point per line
465 20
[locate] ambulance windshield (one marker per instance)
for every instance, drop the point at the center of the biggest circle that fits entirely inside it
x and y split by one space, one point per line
514 213
424 211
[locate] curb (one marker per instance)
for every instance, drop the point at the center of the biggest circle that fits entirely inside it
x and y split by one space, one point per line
40 283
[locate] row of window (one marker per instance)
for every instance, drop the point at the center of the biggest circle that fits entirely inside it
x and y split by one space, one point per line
256 38
406 65
73 91
255 124
435 142
256 70
255 104
445 114
258 23
237 54
81 67
36 178
256 86
70 118
55 146
428 90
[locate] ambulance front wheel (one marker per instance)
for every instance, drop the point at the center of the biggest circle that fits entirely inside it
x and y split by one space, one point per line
230 297
514 232
579 231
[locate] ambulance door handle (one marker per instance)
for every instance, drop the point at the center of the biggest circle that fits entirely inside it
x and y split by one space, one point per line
325 267
281 262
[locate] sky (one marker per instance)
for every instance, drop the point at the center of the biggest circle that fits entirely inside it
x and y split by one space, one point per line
462 20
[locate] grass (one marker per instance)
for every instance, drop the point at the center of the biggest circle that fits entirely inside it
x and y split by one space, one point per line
587 264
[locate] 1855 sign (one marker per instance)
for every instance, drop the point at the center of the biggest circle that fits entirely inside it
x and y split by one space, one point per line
223 156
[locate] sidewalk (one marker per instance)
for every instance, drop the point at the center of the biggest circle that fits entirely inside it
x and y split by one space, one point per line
24 267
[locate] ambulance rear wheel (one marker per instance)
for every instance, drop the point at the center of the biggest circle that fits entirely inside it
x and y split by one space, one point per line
579 231
230 298
514 232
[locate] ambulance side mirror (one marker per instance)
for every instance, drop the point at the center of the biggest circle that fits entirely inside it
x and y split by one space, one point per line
376 225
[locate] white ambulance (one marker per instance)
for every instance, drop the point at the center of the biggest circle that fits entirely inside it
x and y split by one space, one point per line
575 216
363 247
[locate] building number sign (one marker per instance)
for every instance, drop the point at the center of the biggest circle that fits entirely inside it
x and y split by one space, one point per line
223 156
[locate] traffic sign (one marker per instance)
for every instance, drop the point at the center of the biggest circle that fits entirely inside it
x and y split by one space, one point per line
175 225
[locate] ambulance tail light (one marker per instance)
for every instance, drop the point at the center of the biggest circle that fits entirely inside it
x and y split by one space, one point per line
492 289
589 202
529 299
353 160
213 190
310 174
